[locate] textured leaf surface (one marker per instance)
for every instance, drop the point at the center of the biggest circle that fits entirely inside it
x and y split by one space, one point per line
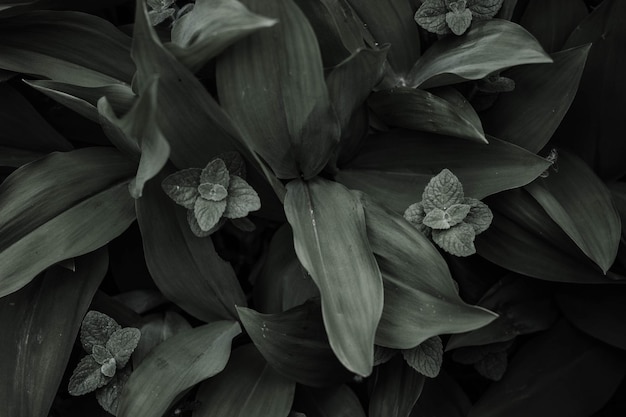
427 357
122 343
109 396
87 377
175 365
95 209
242 199
458 240
248 386
489 46
182 186
432 16
38 333
396 389
96 330
331 242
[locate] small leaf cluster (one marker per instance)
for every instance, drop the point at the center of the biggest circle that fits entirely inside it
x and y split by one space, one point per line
160 10
104 369
425 358
445 16
452 219
213 194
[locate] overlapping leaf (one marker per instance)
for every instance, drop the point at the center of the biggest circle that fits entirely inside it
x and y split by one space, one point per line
552 21
397 387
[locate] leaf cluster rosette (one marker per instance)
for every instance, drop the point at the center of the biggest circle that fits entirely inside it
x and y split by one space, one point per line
445 16
450 218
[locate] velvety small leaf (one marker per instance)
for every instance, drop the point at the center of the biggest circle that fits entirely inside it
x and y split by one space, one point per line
479 215
432 16
397 388
212 192
96 329
456 213
215 173
101 354
108 368
496 84
427 357
442 191
459 20
458 240
208 213
109 395
436 219
383 354
484 9
122 344
182 186
87 377
241 200
415 214
195 226
493 365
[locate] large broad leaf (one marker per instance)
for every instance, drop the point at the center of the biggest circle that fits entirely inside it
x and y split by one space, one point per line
524 239
38 334
530 114
397 387
582 206
248 387
597 311
61 206
186 268
24 128
331 242
37 43
417 109
557 373
395 167
15 157
193 123
489 46
595 117
421 299
174 366
295 344
272 85
524 305
211 27
552 21
337 401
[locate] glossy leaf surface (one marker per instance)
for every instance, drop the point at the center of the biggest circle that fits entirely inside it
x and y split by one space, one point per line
396 389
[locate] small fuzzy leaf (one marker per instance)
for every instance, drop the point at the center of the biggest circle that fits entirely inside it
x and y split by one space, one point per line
108 368
496 84
436 219
101 354
122 344
208 213
108 396
458 240
479 216
484 9
195 227
493 365
182 186
427 357
213 192
96 329
242 199
86 377
442 191
456 213
159 16
415 215
459 21
215 173
432 16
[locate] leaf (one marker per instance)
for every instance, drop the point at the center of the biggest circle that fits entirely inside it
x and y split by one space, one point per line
459 20
211 27
158 16
36 43
122 344
329 228
195 226
96 330
108 368
383 355
175 365
493 365
436 219
101 355
397 388
242 199
182 186
421 299
574 197
489 46
156 329
529 115
421 110
442 191
432 16
479 215
333 401
86 377
38 333
208 213
212 192
216 173
427 357
234 163
458 240
484 9
558 372
415 215
261 82
95 209
394 167
248 386
299 331
496 84
109 395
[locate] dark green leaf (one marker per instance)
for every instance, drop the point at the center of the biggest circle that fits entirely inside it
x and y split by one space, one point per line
182 186
396 389
459 20
582 206
427 357
15 158
108 396
331 242
248 386
216 173
328 402
189 258
96 330
529 115
175 365
156 329
489 46
432 16
417 109
261 82
87 377
122 343
552 21
40 229
493 365
442 191
38 334
458 240
421 299
208 213
395 167
213 192
559 372
484 9
300 333
479 215
210 27
241 200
